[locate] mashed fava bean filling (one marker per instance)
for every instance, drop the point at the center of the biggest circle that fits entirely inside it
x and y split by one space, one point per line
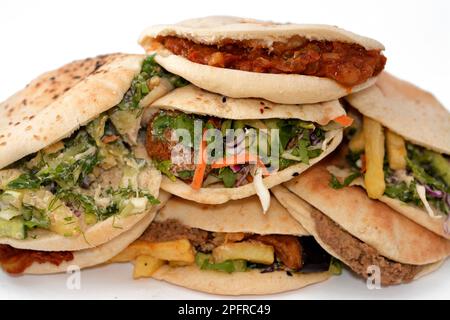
348 64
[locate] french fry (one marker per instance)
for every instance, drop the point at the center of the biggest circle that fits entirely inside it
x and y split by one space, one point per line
137 248
247 250
176 264
374 152
396 151
180 251
146 266
177 250
356 144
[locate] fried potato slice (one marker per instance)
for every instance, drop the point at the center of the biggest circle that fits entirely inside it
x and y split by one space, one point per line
146 266
248 250
374 152
396 151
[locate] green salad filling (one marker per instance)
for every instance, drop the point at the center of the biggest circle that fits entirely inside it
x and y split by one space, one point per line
296 142
424 168
90 176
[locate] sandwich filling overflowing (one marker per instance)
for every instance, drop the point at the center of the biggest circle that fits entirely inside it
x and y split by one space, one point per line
399 169
236 148
348 64
86 178
171 242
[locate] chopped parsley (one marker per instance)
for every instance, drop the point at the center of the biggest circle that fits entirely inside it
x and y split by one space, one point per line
139 86
62 179
335 184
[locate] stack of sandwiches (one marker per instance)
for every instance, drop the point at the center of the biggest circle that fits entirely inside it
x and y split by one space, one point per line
235 157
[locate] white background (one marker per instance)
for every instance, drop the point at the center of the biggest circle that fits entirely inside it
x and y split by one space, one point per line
40 35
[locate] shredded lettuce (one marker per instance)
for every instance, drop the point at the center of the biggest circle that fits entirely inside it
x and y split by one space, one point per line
64 172
300 141
424 183
165 167
335 184
118 200
227 176
420 162
203 262
139 87
66 168
177 121
185 174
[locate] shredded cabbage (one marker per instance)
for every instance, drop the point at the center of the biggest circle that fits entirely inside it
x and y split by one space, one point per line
328 137
9 213
261 190
289 156
402 176
422 195
89 152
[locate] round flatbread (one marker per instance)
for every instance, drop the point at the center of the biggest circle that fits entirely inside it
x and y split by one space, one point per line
191 99
407 110
238 283
244 215
91 257
304 212
411 211
374 223
37 116
418 117
93 236
280 88
51 108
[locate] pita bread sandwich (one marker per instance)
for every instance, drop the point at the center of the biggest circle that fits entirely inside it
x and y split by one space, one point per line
248 145
229 249
284 63
70 175
401 147
368 236
23 261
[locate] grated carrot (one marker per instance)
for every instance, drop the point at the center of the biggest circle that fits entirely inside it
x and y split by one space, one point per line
200 169
344 120
240 159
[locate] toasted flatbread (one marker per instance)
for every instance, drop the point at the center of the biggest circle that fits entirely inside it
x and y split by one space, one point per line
243 215
303 212
239 283
390 233
102 253
51 108
280 88
93 236
57 103
409 111
418 117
